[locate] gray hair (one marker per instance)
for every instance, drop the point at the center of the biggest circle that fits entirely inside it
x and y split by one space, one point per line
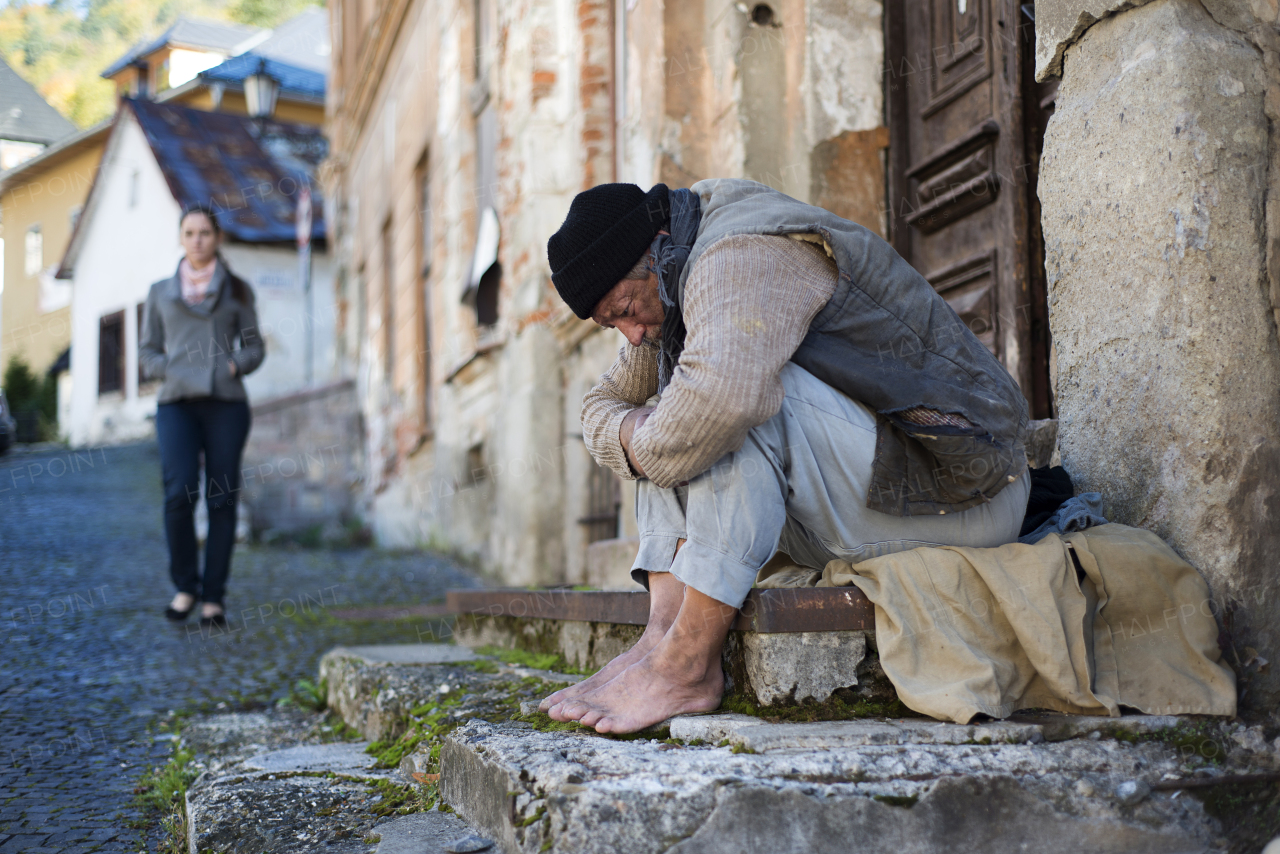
645 265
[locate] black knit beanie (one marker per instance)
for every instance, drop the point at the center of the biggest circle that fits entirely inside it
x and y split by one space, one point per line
607 230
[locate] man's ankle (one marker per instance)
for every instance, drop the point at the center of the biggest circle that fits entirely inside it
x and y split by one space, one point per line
692 666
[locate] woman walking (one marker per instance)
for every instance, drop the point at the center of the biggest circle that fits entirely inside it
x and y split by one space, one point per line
200 336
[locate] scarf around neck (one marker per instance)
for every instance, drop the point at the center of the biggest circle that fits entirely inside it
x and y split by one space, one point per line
195 283
671 251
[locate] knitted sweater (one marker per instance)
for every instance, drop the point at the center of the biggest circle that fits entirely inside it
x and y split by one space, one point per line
748 303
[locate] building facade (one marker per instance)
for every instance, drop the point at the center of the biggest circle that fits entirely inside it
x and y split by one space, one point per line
460 133
159 159
40 202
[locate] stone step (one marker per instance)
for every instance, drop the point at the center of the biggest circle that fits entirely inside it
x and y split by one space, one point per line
739 782
787 646
891 786
294 798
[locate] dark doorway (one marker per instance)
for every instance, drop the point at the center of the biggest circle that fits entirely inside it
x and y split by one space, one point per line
966 120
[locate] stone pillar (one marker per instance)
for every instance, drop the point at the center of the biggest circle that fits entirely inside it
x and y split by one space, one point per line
1154 183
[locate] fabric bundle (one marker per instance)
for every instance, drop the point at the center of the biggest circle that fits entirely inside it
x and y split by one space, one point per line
1083 623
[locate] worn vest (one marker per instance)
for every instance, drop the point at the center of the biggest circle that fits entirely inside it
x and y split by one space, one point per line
887 339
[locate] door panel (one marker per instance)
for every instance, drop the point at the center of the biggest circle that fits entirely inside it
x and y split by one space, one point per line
959 180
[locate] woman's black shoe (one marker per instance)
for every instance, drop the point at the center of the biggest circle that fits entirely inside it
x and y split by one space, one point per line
178 616
218 620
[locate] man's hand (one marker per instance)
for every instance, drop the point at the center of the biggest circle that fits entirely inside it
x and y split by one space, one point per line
630 423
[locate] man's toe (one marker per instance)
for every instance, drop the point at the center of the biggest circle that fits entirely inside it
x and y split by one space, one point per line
591 718
571 710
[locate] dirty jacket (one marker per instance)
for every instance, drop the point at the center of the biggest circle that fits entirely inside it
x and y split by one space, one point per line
190 347
885 338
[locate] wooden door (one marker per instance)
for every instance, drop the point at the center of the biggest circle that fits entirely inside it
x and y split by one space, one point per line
961 180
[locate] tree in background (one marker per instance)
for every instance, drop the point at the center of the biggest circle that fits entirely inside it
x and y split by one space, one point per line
267 13
31 397
62 46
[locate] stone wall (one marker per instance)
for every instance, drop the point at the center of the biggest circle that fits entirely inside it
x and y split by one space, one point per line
302 463
472 434
1158 186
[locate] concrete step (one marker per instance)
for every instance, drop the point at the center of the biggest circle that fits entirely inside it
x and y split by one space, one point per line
875 786
297 796
737 782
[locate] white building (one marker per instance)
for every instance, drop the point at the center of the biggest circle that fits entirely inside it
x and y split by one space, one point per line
160 158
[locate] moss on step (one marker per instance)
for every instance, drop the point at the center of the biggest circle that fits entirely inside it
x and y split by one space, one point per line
542 722
429 722
905 801
835 708
402 799
1249 813
553 661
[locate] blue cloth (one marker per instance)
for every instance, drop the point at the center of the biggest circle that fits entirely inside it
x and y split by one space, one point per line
671 252
184 429
1075 514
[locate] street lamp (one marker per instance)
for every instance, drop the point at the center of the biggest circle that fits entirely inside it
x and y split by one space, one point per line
261 91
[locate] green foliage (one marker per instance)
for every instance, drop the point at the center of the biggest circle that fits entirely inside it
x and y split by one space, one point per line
163 788
62 48
29 392
267 13
533 819
308 695
21 385
334 728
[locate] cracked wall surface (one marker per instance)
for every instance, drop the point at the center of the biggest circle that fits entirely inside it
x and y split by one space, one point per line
1158 188
472 434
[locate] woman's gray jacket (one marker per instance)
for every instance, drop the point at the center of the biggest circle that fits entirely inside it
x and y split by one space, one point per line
191 347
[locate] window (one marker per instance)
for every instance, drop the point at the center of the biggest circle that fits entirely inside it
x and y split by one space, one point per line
388 304
487 295
34 251
604 503
162 75
486 273
111 353
423 181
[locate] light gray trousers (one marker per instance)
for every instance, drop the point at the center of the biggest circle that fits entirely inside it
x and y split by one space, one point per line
798 485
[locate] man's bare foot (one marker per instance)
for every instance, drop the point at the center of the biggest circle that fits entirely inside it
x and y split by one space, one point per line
182 602
666 593
680 675
659 686
648 640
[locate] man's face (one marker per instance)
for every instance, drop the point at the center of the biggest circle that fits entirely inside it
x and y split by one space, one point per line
633 308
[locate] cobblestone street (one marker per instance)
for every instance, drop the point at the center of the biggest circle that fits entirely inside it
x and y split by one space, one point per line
90 665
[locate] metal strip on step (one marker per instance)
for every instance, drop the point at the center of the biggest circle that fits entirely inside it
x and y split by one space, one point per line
797 609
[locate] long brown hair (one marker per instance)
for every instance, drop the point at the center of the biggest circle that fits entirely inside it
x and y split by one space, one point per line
239 290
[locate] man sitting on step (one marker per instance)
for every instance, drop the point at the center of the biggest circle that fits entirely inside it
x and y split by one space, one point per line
815 396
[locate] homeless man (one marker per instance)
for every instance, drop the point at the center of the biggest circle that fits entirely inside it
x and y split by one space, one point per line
816 397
